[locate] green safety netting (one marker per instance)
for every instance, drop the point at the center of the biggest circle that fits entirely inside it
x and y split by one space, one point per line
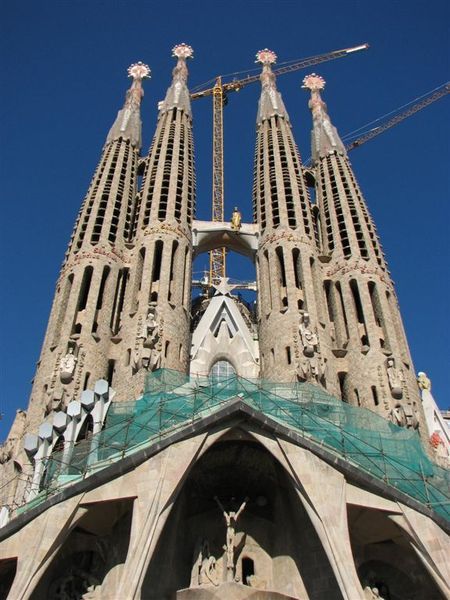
173 400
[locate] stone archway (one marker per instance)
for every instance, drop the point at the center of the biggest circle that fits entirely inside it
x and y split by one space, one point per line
272 531
92 553
8 568
385 559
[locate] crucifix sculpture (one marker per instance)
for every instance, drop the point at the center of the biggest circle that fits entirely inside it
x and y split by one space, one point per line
231 518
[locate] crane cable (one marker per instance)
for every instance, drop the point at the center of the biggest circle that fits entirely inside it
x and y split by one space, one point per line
363 129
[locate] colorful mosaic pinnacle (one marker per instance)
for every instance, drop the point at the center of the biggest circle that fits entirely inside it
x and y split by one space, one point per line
139 70
313 82
266 57
183 51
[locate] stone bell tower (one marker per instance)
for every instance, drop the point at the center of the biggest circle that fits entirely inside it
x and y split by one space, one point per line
369 355
287 252
87 307
156 330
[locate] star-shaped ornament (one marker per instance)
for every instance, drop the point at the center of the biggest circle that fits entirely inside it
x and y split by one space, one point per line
224 288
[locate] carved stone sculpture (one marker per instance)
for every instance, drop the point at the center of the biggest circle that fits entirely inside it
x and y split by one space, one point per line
404 416
394 378
372 593
231 521
67 366
308 337
148 356
207 567
236 219
423 381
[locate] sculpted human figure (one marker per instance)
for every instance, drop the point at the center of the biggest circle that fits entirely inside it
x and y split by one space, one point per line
67 366
231 521
148 356
236 219
207 566
423 381
309 338
394 377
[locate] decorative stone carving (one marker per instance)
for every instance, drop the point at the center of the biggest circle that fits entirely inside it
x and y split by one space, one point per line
423 381
309 338
67 366
372 593
76 583
310 366
207 566
231 522
404 416
394 378
148 356
256 582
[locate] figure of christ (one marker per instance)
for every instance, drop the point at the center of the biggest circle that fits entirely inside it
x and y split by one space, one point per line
231 521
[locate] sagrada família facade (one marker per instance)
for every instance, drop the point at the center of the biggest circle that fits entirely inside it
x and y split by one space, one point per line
198 446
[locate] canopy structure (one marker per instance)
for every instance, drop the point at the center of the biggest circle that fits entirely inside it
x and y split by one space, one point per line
173 401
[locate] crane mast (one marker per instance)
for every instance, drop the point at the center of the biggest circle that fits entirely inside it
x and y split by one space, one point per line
217 256
219 94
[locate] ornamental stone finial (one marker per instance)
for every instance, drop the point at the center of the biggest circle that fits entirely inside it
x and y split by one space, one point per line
324 136
139 70
178 94
270 102
313 82
128 122
183 51
266 57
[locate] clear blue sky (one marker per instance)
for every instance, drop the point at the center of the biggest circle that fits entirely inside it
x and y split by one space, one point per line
63 69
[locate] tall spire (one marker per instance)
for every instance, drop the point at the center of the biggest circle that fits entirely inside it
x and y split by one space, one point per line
270 102
128 123
178 94
325 138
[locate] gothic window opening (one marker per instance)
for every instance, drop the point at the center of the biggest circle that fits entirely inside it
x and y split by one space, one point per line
119 298
85 287
82 298
172 270
111 370
282 277
65 295
157 260
186 275
375 395
288 355
138 280
101 292
248 570
342 307
342 379
359 312
86 381
296 258
222 369
378 315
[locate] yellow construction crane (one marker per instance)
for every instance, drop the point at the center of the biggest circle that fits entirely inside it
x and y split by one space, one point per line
219 93
425 100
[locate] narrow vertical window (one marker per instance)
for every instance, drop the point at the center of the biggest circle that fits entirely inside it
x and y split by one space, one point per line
359 312
119 297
